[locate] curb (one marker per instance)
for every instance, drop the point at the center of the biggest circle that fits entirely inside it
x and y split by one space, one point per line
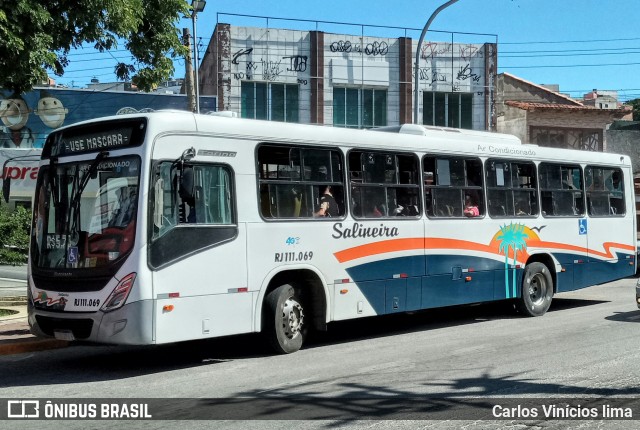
20 346
10 343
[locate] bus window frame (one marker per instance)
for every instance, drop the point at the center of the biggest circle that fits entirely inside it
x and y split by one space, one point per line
416 185
196 232
609 192
552 190
301 181
481 188
511 188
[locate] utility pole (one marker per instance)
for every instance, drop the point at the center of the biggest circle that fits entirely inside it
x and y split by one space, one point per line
416 93
188 70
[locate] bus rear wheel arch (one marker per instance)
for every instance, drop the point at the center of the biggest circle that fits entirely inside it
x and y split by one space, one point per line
536 290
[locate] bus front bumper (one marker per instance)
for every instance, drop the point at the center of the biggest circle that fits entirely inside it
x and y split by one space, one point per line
129 325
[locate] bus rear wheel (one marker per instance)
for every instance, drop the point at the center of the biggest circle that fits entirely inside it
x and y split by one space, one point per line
537 290
284 319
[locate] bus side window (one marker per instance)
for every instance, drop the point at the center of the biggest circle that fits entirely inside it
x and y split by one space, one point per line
561 189
384 184
294 192
451 185
605 194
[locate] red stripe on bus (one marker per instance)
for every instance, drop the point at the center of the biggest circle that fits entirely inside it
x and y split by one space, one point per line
396 245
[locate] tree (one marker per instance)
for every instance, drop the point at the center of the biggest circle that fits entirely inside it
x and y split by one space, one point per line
635 105
36 36
14 235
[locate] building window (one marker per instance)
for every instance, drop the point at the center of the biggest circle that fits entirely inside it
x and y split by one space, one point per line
447 109
359 108
275 102
573 138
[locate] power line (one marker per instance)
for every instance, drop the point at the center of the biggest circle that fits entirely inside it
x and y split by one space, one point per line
570 53
546 66
570 41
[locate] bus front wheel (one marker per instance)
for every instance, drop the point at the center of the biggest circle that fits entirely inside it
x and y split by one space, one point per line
284 319
537 290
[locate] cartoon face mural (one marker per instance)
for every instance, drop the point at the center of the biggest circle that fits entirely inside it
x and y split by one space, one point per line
14 112
50 110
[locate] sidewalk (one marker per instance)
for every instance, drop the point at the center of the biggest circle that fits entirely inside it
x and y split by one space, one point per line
15 337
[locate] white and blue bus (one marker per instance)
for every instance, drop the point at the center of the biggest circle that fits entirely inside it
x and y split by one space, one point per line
168 226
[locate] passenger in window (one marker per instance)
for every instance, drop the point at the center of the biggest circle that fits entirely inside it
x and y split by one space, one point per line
378 211
470 207
616 182
328 206
321 174
616 197
598 182
568 182
399 210
406 208
522 208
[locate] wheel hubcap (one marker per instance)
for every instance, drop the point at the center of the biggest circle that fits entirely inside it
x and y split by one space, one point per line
292 318
537 289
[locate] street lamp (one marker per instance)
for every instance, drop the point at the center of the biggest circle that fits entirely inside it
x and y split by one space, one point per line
196 6
424 32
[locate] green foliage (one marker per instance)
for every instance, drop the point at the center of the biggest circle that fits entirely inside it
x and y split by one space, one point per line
635 105
36 36
14 235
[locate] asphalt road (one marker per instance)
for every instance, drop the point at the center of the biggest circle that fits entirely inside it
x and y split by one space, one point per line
14 272
13 281
585 346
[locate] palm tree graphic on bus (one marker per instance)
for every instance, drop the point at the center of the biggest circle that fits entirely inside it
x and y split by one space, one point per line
512 237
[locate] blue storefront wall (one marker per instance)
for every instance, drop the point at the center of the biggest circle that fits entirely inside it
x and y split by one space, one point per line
27 119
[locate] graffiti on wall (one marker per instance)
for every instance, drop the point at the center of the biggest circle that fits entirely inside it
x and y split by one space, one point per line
257 57
446 66
269 69
298 63
374 48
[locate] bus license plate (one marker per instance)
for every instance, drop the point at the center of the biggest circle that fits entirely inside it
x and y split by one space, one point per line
64 335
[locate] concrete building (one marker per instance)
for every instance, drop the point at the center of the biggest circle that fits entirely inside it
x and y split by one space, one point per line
348 80
601 99
544 117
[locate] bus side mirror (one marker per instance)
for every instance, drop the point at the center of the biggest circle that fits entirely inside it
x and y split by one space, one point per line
158 193
6 189
186 188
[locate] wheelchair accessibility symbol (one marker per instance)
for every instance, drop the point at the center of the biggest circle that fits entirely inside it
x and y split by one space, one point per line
582 226
72 257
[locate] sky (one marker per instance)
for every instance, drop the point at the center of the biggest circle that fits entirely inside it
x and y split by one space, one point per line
580 45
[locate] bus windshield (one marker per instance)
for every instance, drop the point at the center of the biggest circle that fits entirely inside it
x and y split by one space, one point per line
85 212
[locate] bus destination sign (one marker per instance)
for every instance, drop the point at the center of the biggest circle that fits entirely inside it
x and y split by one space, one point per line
90 142
95 137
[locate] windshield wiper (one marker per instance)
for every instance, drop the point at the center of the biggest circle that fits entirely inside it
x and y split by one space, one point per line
71 225
85 179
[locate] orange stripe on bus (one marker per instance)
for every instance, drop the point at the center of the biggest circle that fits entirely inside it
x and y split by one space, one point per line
396 245
381 247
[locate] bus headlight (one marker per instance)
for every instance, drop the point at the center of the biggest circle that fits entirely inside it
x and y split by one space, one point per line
119 294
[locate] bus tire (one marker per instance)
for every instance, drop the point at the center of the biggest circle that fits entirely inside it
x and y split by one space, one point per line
284 319
537 290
